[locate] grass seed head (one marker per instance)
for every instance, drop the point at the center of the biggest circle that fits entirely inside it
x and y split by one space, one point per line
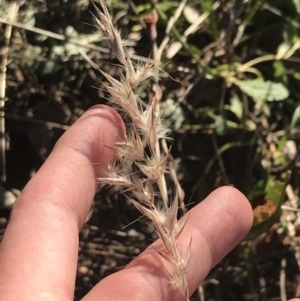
142 164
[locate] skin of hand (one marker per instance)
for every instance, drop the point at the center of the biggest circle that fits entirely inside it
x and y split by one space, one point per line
38 253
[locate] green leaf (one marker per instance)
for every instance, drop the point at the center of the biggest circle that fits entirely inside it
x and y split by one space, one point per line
262 91
279 69
297 5
265 109
295 117
165 6
236 106
48 67
29 17
282 143
267 208
172 111
142 7
296 75
220 125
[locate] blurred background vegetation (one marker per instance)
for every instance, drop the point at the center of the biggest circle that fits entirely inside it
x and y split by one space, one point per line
230 88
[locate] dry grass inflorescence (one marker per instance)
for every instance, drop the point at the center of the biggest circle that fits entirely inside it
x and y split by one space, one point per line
143 159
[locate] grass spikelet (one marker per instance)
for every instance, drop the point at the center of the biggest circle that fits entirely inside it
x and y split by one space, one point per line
142 162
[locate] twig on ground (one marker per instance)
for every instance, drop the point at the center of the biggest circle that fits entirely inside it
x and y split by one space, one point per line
61 37
185 45
37 121
142 22
12 13
192 28
170 25
282 280
201 293
220 160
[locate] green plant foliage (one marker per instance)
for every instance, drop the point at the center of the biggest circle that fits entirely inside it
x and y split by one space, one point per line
262 91
296 117
220 125
236 107
171 111
267 208
297 5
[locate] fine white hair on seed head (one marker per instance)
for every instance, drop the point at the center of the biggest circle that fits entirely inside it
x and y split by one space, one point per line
143 164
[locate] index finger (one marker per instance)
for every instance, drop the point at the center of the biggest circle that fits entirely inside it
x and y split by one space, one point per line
38 254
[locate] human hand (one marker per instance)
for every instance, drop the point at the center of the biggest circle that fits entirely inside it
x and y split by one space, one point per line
38 254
